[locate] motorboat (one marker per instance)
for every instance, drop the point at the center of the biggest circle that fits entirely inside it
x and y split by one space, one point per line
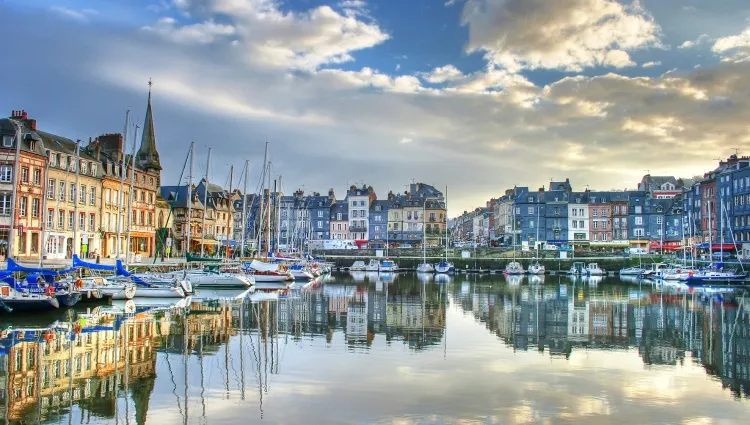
537 268
388 266
592 269
358 266
514 267
373 266
578 268
39 280
212 277
122 285
300 272
268 272
716 274
445 267
425 268
632 271
679 274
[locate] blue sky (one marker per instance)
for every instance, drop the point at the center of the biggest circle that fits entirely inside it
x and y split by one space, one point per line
479 95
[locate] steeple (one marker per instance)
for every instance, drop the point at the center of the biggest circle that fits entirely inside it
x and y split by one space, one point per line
148 157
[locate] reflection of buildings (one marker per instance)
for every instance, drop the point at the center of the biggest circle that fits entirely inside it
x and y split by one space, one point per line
663 327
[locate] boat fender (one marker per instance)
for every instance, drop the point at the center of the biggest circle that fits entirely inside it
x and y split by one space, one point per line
690 274
77 328
49 336
49 291
678 271
79 283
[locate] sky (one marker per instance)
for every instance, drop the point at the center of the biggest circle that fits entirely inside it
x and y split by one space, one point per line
475 95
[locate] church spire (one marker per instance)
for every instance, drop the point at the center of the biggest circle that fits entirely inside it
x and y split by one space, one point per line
148 156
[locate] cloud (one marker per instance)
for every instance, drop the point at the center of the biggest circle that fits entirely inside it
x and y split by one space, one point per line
405 140
267 36
80 16
449 3
689 44
568 35
201 33
651 64
734 47
443 74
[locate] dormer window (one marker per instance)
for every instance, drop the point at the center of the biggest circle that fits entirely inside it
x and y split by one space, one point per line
7 141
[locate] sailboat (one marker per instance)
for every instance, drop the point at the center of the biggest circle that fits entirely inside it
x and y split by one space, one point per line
537 268
514 267
717 273
445 266
424 267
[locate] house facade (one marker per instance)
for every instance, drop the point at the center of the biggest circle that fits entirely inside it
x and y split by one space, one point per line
359 200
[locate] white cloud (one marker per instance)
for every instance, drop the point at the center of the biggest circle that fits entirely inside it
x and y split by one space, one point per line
200 33
443 74
565 34
734 47
273 38
406 140
689 44
81 16
449 3
651 64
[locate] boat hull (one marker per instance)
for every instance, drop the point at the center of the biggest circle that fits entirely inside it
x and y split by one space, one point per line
29 304
269 278
68 300
115 292
159 292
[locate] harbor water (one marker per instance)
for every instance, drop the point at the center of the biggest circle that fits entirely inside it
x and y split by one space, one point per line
389 349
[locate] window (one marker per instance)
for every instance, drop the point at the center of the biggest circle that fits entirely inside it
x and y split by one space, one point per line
638 209
37 177
51 219
82 195
92 222
71 219
320 214
639 221
320 224
92 196
82 221
7 141
638 232
518 210
35 208
108 196
530 210
338 217
61 192
143 218
594 213
575 224
150 198
659 220
72 193
24 174
6 173
93 169
530 199
83 167
109 222
596 225
116 198
61 220
580 224
24 202
531 224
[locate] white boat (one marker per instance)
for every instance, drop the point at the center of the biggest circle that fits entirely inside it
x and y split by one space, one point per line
372 266
592 269
268 272
214 279
223 294
388 266
537 268
112 290
358 266
445 267
536 279
578 268
425 268
632 271
13 299
678 274
157 291
514 267
301 274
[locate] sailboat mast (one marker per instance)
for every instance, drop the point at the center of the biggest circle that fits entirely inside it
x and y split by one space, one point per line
43 223
189 199
130 198
76 221
446 225
119 218
261 201
278 213
710 236
268 214
229 215
536 241
205 203
244 211
424 233
721 237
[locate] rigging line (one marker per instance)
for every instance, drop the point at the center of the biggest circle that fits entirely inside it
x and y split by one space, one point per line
174 384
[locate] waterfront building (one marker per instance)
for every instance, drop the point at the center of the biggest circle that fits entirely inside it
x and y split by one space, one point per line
530 216
109 151
435 216
708 208
636 220
619 202
740 206
29 184
320 214
339 220
692 213
395 218
578 218
178 198
502 213
359 200
379 222
660 187
412 219
600 216
218 211
62 199
556 212
664 224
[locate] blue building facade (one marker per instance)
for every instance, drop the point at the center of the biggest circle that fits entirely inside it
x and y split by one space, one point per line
379 223
320 215
530 216
556 217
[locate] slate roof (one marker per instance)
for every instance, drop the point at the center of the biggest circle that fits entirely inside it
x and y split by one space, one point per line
7 128
178 196
342 207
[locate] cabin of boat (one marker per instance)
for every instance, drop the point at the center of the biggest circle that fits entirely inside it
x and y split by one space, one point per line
358 266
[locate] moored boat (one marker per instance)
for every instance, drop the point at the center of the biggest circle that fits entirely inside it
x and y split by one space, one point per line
537 269
445 267
358 266
16 299
514 267
593 269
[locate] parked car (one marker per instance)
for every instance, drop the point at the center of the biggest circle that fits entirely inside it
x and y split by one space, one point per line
721 256
405 245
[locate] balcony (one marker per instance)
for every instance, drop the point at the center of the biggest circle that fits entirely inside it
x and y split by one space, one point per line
358 228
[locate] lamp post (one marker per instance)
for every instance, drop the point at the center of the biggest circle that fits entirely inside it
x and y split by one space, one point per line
14 193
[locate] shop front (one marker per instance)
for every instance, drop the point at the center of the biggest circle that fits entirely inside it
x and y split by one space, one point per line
54 248
666 246
142 243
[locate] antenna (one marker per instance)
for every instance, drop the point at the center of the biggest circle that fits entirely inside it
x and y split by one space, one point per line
647 171
736 151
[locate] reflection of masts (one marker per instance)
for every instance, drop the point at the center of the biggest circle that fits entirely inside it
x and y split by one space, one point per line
242 353
187 361
127 373
260 376
203 382
171 375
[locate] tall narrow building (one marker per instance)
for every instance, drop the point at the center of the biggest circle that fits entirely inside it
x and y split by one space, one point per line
147 180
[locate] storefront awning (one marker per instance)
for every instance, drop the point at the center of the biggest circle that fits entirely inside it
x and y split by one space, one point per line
718 247
610 244
206 241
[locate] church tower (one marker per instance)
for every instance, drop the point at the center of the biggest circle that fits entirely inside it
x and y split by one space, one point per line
147 158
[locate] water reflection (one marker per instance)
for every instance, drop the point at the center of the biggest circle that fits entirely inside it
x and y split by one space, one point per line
224 358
